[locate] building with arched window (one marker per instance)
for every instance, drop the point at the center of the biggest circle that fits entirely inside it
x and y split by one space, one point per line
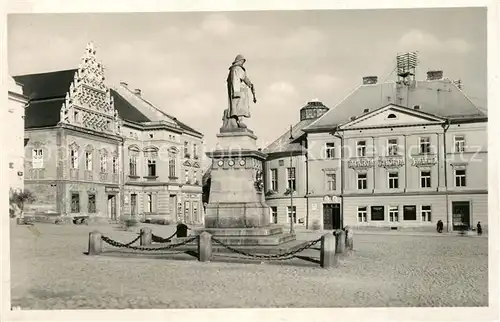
106 151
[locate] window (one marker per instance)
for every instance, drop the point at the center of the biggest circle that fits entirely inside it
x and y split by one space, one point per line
171 168
195 150
460 176
410 212
426 213
37 158
133 165
459 143
331 183
186 175
392 116
133 204
195 177
392 147
88 160
393 214
425 145
361 148
393 180
377 213
425 179
74 159
289 214
186 209
281 163
115 165
362 181
149 202
104 163
76 117
362 214
291 179
91 205
75 202
186 149
274 215
330 150
151 167
274 179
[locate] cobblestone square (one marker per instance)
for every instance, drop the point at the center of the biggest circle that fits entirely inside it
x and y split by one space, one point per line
50 271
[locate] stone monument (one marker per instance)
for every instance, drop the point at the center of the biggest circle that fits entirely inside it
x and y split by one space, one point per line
237 213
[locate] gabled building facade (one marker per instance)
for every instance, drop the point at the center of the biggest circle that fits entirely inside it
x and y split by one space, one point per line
106 152
403 155
395 155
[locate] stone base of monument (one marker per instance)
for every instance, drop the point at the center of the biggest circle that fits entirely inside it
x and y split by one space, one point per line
262 240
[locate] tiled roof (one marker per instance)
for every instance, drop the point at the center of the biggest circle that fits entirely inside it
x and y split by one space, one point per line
126 110
437 97
284 144
46 85
46 92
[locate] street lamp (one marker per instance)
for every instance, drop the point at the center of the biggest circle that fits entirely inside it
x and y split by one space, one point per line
292 229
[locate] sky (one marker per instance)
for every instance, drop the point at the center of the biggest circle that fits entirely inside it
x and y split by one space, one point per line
180 60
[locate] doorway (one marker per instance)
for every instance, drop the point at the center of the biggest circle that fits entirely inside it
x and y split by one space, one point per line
173 206
331 216
461 214
112 207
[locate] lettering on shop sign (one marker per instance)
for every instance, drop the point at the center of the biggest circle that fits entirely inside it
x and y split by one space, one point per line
112 189
424 161
361 163
391 162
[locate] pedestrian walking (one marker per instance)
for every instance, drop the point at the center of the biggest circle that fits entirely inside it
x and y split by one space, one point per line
439 226
479 229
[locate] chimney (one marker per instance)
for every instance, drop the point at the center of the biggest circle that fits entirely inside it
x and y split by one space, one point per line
137 92
434 75
370 80
124 84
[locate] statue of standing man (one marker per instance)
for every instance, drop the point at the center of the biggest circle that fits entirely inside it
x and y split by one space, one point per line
239 88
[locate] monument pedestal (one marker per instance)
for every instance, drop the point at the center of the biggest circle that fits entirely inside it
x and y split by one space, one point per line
237 214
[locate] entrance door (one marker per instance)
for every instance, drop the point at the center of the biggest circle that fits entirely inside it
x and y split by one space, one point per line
461 214
173 206
112 207
331 216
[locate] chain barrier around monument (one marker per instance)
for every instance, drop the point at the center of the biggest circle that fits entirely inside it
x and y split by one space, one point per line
117 244
282 256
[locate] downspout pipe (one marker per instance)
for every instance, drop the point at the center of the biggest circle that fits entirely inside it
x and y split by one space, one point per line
446 126
336 133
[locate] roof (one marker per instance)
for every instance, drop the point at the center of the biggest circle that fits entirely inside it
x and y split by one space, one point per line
182 125
46 92
46 85
153 112
437 97
284 144
126 110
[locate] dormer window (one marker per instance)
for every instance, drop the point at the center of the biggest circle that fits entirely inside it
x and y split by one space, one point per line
416 107
366 110
392 116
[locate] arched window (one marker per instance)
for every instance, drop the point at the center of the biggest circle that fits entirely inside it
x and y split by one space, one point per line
392 116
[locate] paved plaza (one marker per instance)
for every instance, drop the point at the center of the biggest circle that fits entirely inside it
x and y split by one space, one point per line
52 272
